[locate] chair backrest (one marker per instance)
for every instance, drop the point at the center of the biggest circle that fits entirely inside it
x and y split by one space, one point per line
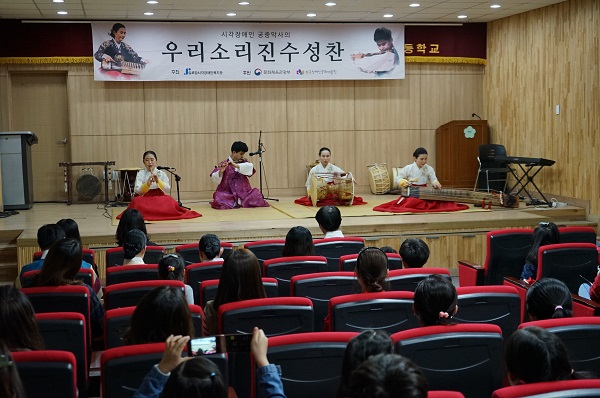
191 254
487 153
130 293
506 253
47 373
463 357
580 335
198 272
265 249
284 268
66 331
572 263
334 248
86 275
577 234
276 316
88 256
114 255
321 287
444 394
348 262
208 289
131 273
496 304
408 278
552 389
388 311
310 362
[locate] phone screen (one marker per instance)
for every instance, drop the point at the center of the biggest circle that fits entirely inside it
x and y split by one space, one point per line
202 346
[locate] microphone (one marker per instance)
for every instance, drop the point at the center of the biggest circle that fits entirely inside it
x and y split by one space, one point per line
254 153
164 167
474 115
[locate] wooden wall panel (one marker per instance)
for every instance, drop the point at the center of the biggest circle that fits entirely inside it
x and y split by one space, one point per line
4 99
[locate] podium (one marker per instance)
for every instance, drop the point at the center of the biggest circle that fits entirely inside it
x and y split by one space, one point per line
17 178
456 147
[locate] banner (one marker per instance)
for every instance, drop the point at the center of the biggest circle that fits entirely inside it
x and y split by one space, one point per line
247 52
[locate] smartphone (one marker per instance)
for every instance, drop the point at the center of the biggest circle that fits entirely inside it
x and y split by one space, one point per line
205 346
238 342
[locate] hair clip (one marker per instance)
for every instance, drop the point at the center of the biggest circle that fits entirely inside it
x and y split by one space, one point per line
443 314
171 268
558 307
5 362
170 255
213 375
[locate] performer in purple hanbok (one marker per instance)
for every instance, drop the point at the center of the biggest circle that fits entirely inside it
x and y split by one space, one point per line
232 175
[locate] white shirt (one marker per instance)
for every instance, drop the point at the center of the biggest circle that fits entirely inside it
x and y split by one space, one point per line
334 234
246 169
134 261
416 175
144 175
331 168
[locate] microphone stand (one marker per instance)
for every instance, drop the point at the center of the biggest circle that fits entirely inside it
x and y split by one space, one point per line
259 152
177 179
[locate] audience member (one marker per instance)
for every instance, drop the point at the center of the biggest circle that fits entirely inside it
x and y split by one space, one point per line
131 219
388 376
18 328
134 247
46 236
298 242
10 382
172 268
388 249
60 268
435 301
361 347
545 234
533 355
210 248
414 253
372 270
330 219
240 280
548 298
161 313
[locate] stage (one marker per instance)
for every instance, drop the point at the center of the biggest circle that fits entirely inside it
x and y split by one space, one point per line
451 236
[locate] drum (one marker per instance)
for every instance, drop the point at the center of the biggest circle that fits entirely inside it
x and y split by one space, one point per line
88 186
339 189
126 183
394 185
379 179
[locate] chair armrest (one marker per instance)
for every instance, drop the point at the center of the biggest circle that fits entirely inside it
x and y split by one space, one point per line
470 274
522 288
585 307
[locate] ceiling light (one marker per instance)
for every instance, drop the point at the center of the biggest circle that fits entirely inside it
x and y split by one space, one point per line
311 14
148 13
414 5
495 6
62 12
388 15
243 3
231 14
330 4
461 16
58 1
152 2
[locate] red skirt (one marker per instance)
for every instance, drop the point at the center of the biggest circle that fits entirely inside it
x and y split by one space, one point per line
329 200
156 206
414 205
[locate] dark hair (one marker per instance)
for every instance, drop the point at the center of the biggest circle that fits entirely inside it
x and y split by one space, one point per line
239 146
61 265
372 269
543 235
19 330
10 381
149 153
533 355
130 219
414 253
298 242
240 278
161 312
171 267
48 234
115 28
70 227
419 151
361 347
434 296
388 376
549 298
324 149
210 245
382 34
197 378
135 242
329 217
388 249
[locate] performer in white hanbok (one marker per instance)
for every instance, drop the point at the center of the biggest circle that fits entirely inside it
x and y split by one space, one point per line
418 173
324 169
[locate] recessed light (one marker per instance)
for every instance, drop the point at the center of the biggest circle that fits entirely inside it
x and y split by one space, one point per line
330 4
388 15
148 13
243 3
495 6
231 14
462 17
62 12
152 2
58 1
414 5
311 14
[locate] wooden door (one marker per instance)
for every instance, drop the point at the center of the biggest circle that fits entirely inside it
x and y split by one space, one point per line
39 104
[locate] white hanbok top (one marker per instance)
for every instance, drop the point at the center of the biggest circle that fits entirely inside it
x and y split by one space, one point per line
144 175
331 168
246 169
416 175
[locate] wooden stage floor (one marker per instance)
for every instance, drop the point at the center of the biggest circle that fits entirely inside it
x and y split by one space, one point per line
440 230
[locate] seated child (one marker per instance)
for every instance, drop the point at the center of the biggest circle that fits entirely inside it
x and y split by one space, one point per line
414 253
171 267
435 301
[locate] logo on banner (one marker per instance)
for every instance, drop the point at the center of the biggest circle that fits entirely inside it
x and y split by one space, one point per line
257 72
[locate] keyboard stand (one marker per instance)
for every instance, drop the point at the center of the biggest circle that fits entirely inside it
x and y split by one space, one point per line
525 180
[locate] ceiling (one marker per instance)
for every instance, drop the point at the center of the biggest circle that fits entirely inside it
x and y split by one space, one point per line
432 11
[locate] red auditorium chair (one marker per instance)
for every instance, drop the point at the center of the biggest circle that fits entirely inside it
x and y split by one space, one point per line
284 268
89 256
47 373
389 311
86 275
580 335
321 287
585 307
463 357
196 273
506 250
310 362
495 304
131 273
66 331
131 293
409 278
577 234
114 255
191 254
265 249
334 248
552 389
572 263
444 394
348 262
208 289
